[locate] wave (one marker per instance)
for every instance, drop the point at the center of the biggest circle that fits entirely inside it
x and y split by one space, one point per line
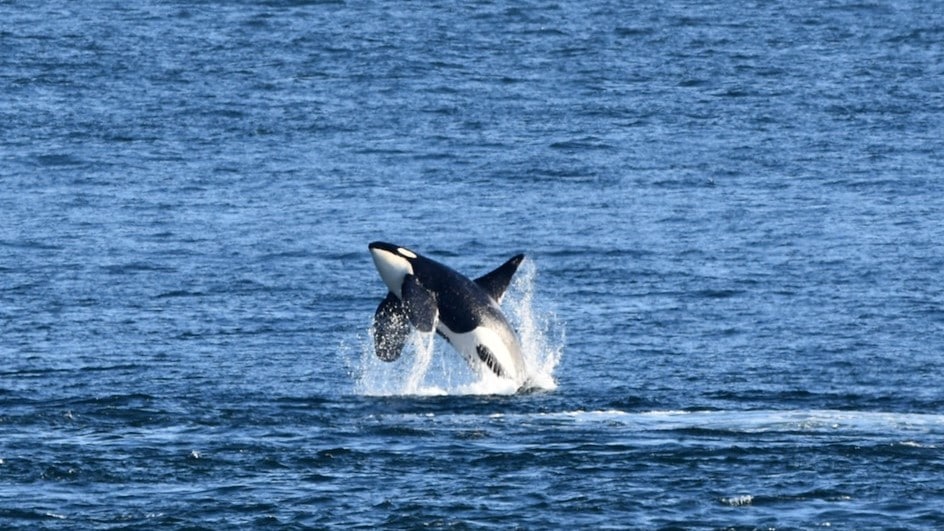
764 421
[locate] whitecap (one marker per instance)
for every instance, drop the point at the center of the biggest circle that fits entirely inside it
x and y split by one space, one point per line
738 501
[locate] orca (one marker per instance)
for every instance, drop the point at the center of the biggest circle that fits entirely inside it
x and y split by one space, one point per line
428 295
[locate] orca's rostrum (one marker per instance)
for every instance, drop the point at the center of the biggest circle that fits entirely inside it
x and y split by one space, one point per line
428 295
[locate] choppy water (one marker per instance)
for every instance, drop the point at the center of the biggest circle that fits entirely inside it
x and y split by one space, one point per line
732 213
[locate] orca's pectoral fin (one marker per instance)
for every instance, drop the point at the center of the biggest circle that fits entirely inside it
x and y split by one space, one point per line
419 304
496 282
390 328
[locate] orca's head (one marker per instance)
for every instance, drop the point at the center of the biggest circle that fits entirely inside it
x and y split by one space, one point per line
393 262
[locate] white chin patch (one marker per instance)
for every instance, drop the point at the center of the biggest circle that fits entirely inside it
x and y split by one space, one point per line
392 268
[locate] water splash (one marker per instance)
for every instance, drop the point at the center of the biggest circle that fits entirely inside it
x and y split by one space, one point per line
429 366
423 346
540 332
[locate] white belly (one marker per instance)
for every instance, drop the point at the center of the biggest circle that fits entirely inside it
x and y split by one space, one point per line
505 356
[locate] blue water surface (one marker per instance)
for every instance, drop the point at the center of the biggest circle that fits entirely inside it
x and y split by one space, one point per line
732 214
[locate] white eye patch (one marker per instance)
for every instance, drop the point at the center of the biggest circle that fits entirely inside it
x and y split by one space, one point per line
406 252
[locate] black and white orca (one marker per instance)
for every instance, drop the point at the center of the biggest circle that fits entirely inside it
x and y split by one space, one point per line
429 295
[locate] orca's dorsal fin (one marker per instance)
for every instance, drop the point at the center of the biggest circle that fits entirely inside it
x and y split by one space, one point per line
496 282
390 328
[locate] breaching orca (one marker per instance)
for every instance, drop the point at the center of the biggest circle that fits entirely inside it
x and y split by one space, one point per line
429 295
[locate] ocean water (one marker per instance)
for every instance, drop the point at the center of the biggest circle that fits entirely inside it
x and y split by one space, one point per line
733 299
